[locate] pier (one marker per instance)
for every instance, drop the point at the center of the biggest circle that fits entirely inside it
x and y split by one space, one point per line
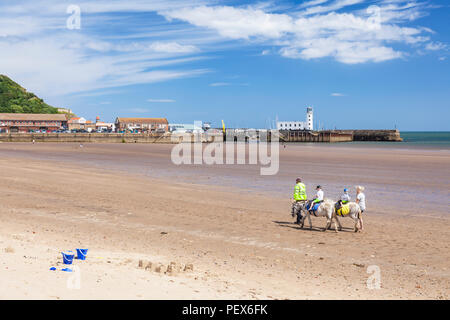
340 136
314 136
333 136
374 135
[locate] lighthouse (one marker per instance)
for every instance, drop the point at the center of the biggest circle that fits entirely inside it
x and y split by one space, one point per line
309 118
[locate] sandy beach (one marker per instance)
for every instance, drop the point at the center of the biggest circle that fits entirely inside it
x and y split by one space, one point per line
129 203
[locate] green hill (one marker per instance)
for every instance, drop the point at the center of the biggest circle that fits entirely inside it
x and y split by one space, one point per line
15 99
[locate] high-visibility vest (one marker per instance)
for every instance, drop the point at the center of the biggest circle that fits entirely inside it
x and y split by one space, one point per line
300 192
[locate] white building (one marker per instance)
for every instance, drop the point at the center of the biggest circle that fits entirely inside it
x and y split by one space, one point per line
298 125
79 120
65 110
291 125
185 128
105 126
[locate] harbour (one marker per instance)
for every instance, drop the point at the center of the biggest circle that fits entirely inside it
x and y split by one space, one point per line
284 136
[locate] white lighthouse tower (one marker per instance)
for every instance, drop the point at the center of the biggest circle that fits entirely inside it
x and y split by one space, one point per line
309 118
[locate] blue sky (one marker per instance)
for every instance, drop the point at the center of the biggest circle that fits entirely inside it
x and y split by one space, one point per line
360 63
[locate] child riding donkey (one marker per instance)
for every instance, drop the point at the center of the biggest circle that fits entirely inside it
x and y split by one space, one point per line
313 205
345 208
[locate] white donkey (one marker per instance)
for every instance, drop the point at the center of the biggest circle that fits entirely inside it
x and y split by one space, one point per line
326 209
354 212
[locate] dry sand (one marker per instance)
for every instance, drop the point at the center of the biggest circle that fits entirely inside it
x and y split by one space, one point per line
128 203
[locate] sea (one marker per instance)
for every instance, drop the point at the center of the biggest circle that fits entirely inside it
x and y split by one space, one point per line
417 139
437 139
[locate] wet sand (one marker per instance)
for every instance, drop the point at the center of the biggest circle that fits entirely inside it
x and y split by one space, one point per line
411 181
129 202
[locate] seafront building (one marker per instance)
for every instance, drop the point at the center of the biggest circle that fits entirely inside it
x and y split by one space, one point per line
46 123
23 123
298 125
185 128
80 123
142 125
101 126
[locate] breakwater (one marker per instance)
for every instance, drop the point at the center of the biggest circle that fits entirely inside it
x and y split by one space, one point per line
340 135
374 135
285 136
315 136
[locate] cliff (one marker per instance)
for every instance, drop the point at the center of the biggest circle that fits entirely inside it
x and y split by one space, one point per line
16 99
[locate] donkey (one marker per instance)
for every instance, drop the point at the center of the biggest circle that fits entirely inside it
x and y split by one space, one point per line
354 213
326 209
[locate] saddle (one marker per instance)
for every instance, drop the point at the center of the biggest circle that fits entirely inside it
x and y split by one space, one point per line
314 208
341 209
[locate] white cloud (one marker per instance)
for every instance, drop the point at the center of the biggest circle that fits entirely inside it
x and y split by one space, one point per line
435 46
161 100
172 47
219 84
336 5
158 47
235 23
312 3
20 26
337 94
102 6
318 31
99 93
226 84
50 68
95 7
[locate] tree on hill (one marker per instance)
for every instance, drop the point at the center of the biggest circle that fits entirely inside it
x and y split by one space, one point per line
15 99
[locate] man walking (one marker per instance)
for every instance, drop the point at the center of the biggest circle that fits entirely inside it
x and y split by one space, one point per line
299 199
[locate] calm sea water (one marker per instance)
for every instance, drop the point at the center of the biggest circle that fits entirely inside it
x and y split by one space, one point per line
432 140
438 139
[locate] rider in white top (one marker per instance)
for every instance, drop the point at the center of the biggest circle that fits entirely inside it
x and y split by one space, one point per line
319 195
318 199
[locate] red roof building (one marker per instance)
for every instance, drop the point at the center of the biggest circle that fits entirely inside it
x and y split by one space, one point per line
28 122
